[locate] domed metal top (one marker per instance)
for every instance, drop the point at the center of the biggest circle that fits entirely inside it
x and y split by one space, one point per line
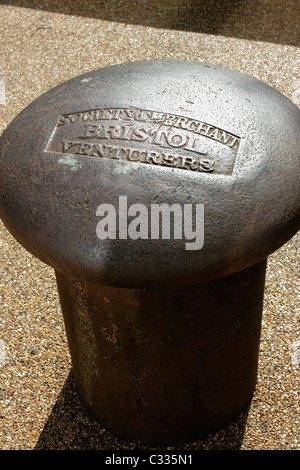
152 133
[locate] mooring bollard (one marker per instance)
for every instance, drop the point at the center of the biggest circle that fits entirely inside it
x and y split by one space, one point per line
157 190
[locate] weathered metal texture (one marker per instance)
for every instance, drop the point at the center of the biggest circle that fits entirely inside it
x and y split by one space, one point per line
165 365
158 334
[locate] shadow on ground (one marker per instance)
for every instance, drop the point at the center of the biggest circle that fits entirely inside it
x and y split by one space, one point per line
69 427
262 20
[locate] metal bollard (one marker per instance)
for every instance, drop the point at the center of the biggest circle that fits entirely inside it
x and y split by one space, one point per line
157 190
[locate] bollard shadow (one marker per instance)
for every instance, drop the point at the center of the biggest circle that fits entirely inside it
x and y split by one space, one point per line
267 21
69 427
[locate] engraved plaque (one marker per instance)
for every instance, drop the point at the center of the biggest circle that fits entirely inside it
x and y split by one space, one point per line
149 137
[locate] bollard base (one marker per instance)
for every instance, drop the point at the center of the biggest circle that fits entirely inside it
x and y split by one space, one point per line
165 366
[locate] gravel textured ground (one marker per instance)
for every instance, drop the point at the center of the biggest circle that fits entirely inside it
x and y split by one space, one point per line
43 45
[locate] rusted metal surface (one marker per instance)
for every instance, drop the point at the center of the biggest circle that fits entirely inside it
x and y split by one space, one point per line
165 365
163 340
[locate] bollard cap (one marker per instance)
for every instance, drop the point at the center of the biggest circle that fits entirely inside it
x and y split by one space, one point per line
219 144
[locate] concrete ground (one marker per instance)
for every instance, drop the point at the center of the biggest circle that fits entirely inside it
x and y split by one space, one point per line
44 43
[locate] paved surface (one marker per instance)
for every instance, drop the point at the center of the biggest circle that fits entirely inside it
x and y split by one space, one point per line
43 45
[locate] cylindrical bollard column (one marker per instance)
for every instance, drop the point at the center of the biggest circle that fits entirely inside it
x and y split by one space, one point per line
165 365
157 190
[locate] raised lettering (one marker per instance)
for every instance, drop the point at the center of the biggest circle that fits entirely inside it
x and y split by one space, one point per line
169 160
145 136
206 165
188 163
177 140
90 131
67 145
133 155
155 157
140 134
